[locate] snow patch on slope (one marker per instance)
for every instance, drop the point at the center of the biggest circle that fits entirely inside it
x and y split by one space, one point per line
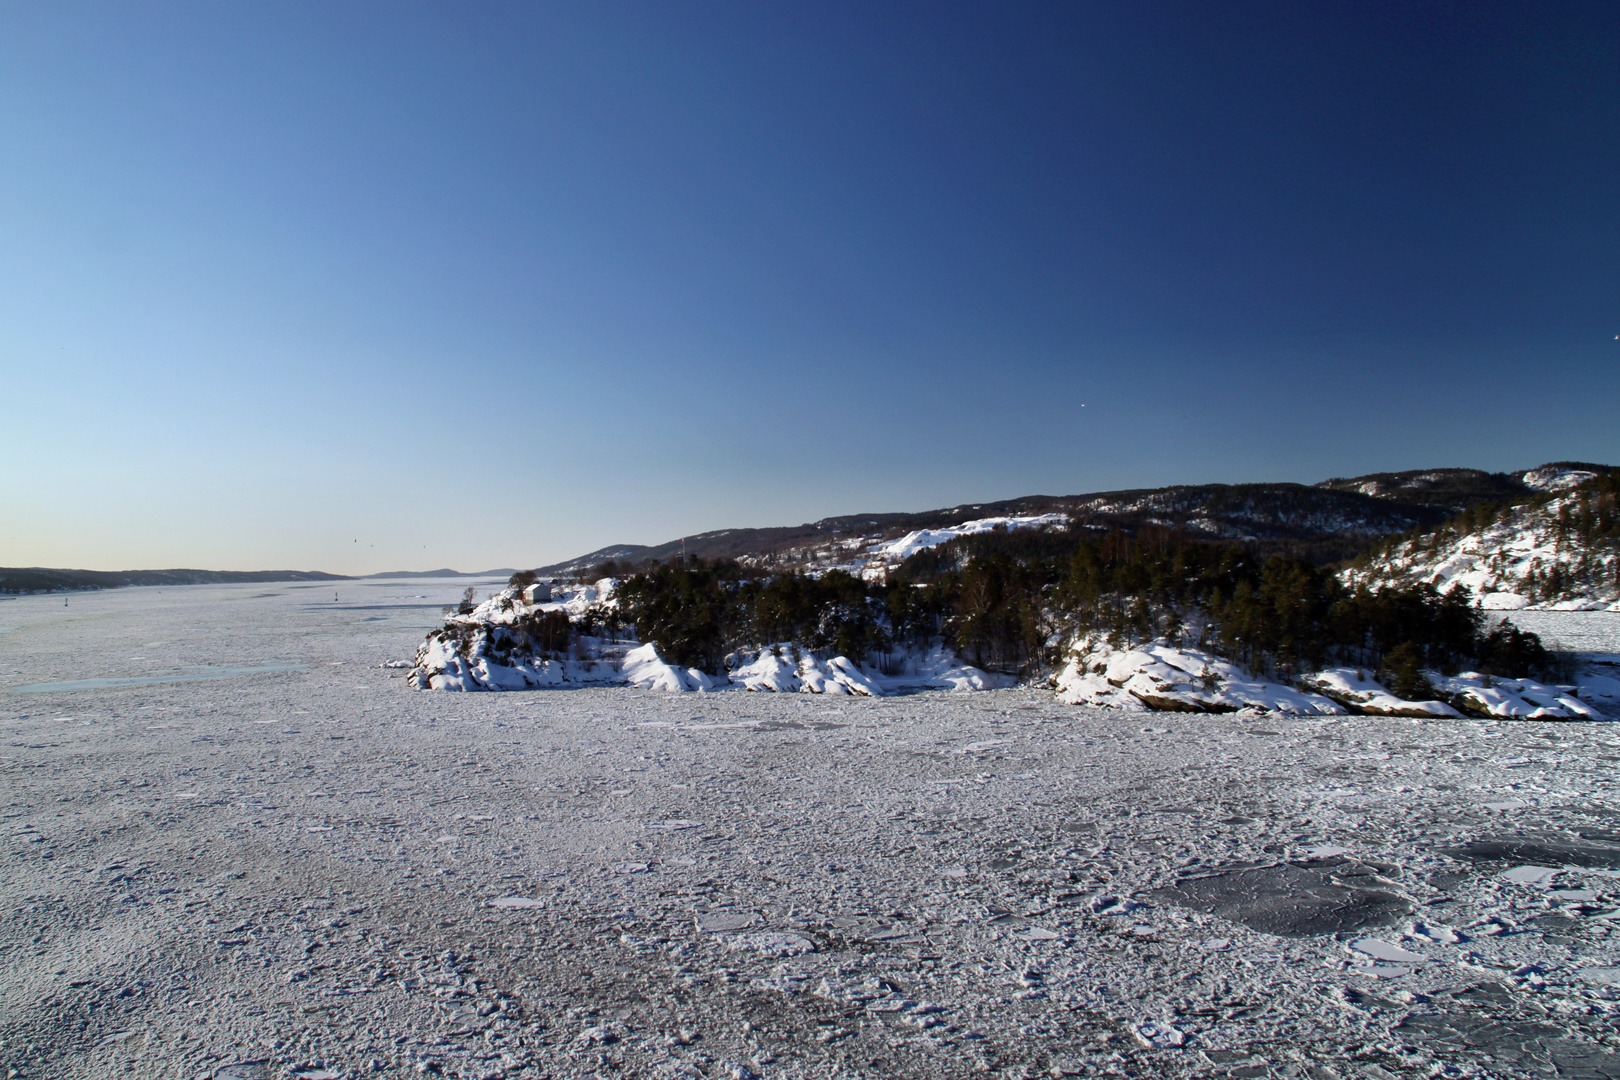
900 550
1555 478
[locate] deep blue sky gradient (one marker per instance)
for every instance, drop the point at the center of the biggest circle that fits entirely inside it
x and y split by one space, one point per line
368 287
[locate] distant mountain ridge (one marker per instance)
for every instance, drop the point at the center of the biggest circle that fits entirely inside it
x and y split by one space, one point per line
1454 490
1328 521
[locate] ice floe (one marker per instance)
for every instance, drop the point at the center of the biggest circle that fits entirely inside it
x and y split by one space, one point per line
766 943
1379 949
517 903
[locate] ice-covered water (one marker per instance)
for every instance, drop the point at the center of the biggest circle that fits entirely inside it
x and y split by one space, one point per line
317 870
187 675
1594 633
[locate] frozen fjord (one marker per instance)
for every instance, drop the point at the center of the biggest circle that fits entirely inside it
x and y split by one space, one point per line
318 869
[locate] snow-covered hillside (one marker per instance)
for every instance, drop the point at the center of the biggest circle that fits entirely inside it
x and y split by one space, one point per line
1334 518
1561 554
874 560
898 551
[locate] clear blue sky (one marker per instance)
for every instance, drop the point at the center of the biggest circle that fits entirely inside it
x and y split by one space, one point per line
363 287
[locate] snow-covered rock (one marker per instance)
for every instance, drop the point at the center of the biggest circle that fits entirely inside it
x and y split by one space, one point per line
836 675
467 658
1171 679
777 670
1517 699
1359 692
774 670
643 667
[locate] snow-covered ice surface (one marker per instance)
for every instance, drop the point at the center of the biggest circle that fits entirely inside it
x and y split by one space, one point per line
1593 639
319 871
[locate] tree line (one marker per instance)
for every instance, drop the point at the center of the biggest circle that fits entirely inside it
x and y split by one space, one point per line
1010 602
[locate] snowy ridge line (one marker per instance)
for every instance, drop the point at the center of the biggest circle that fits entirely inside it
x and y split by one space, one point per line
1534 557
1364 507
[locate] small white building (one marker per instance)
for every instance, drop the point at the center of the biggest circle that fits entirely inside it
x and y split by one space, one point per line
539 593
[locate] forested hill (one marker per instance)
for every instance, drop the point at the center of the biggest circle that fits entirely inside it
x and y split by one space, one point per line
1325 522
35 579
1558 549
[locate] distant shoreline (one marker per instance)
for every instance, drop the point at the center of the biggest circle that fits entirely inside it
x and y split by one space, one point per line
33 580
